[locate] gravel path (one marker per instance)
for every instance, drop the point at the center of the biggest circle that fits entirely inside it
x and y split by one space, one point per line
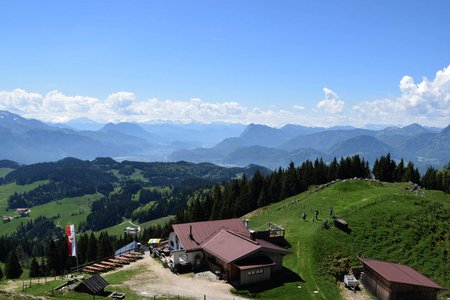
348 294
155 280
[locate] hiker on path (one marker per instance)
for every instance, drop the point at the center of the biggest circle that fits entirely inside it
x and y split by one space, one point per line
304 216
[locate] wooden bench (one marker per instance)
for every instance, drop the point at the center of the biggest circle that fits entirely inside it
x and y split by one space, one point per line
341 224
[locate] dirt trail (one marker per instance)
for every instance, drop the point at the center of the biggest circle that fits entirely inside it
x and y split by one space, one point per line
348 294
12 286
155 280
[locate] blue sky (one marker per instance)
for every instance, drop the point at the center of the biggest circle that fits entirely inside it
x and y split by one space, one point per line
273 62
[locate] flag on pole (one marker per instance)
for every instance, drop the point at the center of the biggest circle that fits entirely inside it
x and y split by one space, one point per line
70 232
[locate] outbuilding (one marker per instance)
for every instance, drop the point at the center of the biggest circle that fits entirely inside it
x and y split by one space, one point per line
94 285
390 281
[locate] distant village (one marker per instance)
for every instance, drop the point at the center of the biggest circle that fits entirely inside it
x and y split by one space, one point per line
20 213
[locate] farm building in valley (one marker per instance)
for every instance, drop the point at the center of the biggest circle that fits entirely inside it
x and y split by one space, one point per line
227 247
389 281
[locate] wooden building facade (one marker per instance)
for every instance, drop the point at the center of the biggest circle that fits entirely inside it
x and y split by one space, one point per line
389 281
228 248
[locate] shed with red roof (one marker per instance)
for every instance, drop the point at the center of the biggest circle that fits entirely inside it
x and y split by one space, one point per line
390 281
228 246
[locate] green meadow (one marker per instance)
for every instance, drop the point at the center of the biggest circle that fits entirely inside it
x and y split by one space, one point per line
119 228
5 171
9 189
387 222
66 211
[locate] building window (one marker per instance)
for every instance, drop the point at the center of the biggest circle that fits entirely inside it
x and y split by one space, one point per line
255 272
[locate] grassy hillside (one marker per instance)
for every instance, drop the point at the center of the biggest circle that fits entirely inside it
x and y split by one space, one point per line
7 190
119 228
4 171
66 211
387 221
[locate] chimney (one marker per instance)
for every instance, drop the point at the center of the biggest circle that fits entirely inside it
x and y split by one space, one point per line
247 223
190 233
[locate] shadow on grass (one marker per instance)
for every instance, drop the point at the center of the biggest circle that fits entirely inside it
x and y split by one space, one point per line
278 279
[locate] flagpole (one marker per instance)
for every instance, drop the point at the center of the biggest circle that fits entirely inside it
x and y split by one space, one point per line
76 252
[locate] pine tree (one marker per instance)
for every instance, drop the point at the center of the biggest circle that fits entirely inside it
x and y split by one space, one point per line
91 253
43 267
411 173
104 246
13 268
400 172
53 260
35 268
333 170
82 246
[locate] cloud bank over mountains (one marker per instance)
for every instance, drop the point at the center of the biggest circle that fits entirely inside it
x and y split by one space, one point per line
426 102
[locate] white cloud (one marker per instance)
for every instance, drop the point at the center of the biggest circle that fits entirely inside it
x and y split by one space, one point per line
331 103
123 106
426 102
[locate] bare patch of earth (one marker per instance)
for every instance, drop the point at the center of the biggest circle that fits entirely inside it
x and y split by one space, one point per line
155 280
348 294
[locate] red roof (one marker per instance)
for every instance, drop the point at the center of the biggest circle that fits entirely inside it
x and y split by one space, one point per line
231 246
201 231
399 273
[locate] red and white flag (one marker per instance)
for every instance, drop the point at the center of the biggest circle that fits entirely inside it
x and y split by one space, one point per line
70 231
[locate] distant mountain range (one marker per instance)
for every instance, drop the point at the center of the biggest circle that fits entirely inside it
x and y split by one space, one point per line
28 141
274 147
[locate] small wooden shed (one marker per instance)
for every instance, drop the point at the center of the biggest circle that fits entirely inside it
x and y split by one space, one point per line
390 281
94 285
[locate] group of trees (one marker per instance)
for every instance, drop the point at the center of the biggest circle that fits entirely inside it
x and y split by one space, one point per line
54 256
239 196
437 179
387 170
133 200
193 201
13 269
68 182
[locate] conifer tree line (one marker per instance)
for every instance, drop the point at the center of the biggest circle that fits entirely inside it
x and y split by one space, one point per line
229 199
240 196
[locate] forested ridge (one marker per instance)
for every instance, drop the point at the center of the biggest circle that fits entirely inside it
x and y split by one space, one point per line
71 177
197 201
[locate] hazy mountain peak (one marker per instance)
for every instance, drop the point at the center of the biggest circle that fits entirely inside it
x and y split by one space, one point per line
414 126
446 131
18 123
6 114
